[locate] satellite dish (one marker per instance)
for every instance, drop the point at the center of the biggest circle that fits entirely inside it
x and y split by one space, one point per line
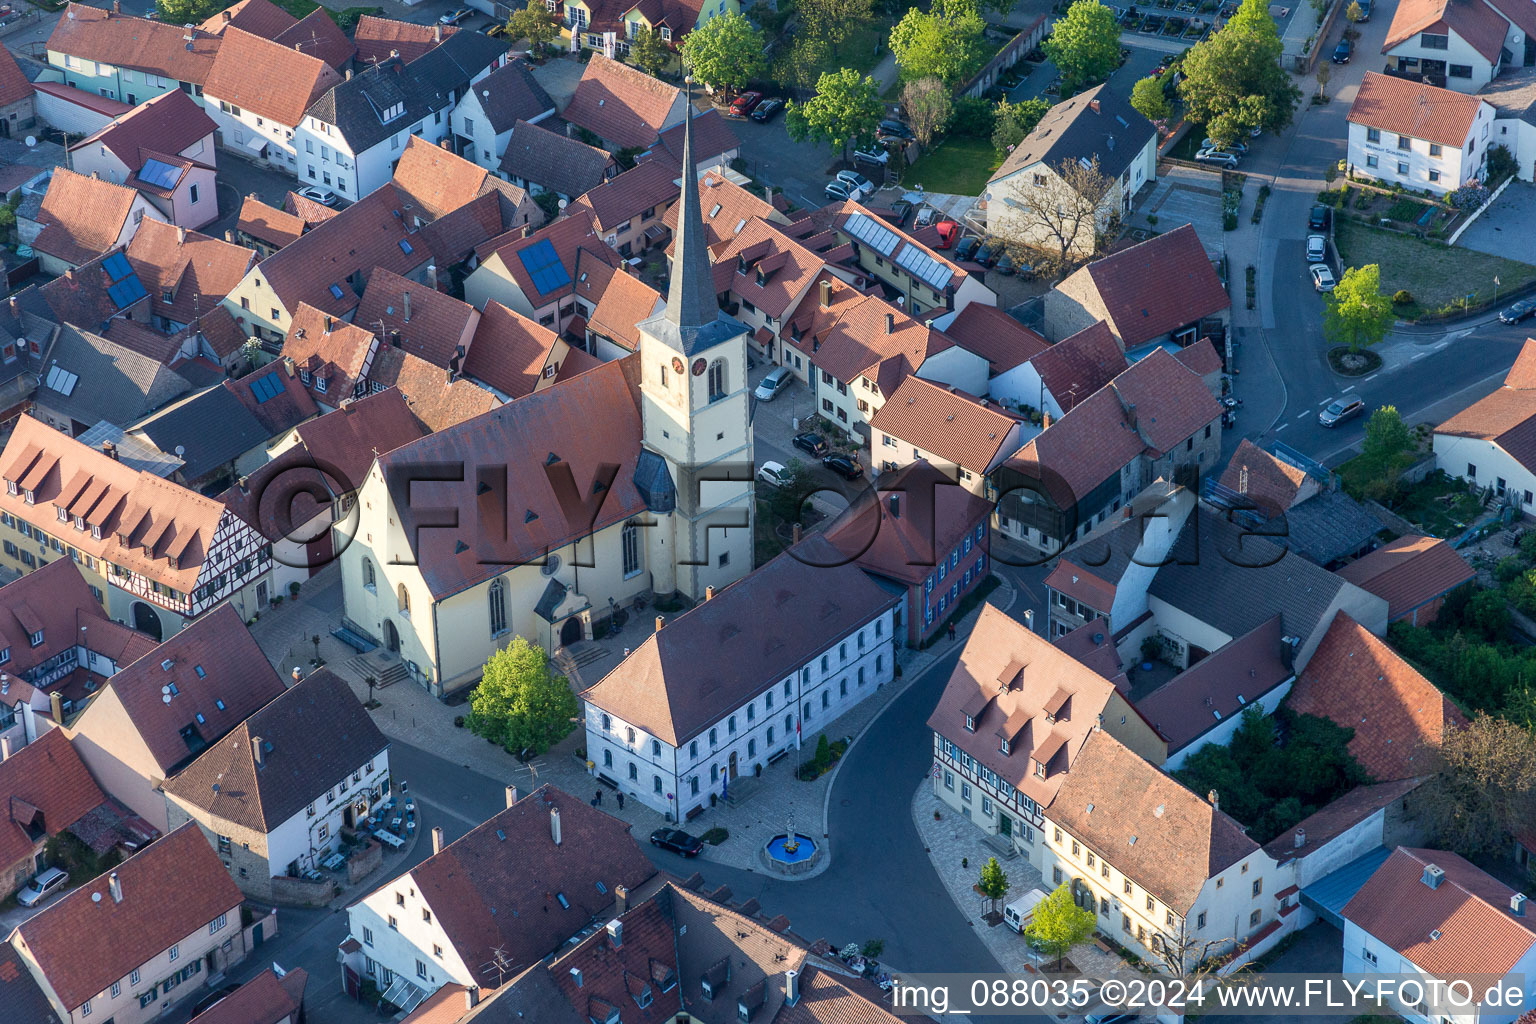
181 451
95 897
31 141
562 203
165 690
166 699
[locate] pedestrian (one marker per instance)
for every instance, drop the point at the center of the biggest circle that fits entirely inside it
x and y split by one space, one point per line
621 801
597 801
951 630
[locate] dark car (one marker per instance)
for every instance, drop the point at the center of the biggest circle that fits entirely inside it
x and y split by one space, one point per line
987 254
844 466
768 109
1365 11
744 104
893 130
966 247
1342 51
901 209
812 444
211 998
676 840
1519 311
1318 219
1005 264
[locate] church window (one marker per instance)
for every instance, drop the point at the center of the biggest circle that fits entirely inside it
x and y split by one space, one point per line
369 580
403 600
717 380
630 541
498 601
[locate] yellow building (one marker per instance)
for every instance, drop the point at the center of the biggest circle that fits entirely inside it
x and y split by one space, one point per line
611 26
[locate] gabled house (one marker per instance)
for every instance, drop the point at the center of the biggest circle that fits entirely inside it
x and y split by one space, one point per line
333 357
186 274
1008 347
88 378
613 303
534 273
46 790
1492 442
422 321
265 999
258 91
963 436
273 795
267 228
138 940
258 17
715 143
1163 288
163 555
1408 133
377 38
1070 371
439 399
317 35
924 277
488 113
1458 44
1097 125
1265 482
213 436
132 740
627 210
541 160
728 208
85 217
1413 574
129 59
163 149
622 106
18 97
440 922
512 356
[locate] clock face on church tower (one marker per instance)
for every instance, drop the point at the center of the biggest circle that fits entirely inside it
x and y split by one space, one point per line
677 365
698 367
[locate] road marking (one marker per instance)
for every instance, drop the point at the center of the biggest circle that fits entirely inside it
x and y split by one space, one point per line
1302 416
1416 358
1281 427
1324 403
473 823
1371 377
1350 388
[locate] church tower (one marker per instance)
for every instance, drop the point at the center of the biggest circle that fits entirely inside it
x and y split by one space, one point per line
696 414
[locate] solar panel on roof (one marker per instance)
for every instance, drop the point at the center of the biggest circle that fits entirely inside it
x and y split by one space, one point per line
871 232
159 173
126 292
924 267
543 265
266 388
117 266
61 380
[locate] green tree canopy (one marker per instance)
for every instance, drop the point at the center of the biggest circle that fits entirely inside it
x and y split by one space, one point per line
831 22
521 703
944 43
1015 121
1233 81
1150 100
993 883
1084 45
1059 924
927 104
846 109
187 12
651 53
1386 435
1358 315
725 52
535 24
1485 789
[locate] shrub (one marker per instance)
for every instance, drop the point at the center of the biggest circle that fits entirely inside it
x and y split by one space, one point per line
1402 297
1468 197
973 117
1509 568
715 836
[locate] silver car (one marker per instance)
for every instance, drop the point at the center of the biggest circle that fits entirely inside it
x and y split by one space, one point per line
1317 248
770 386
1219 157
1339 410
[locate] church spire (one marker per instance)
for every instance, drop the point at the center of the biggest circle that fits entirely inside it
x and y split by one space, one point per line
690 295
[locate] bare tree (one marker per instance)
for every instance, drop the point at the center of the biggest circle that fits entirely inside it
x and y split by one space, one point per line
927 105
1179 953
1055 205
1323 75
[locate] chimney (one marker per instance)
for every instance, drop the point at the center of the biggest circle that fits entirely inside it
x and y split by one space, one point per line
437 840
661 620
181 233
69 274
5 747
826 293
109 449
96 175
298 675
117 6
1093 105
511 795
407 303
620 900
15 307
229 236
554 824
437 33
797 533
791 988
1432 876
432 276
709 592
56 705
1301 838
527 231
329 323
290 365
890 323
112 881
299 47
895 503
471 997
394 53
227 15
1214 798
1288 645
1517 904
576 976
244 483
257 753
349 74
616 933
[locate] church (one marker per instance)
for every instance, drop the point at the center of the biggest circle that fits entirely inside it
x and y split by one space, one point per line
542 516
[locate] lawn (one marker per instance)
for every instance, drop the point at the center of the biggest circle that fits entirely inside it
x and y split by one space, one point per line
1441 505
1436 275
957 166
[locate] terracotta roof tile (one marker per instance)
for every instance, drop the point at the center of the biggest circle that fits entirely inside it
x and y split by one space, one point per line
995 336
1416 109
376 37
83 217
276 408
620 104
169 123
55 601
47 777
269 224
619 301
630 194
438 181
103 105
263 1000
1201 357
267 78
14 84
931 515
137 43
317 35
258 17
431 329
713 139
1333 820
859 334
571 237
437 399
1409 572
1271 483
85 941
1157 286
1076 367
306 209
970 432
1092 645
766 267
197 271
1479 24
330 349
1507 417
1461 927
510 351
837 215
1398 716
20 996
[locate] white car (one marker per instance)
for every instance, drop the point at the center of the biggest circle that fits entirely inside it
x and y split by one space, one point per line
873 156
318 194
842 190
1317 248
772 473
854 179
769 387
44 884
1322 277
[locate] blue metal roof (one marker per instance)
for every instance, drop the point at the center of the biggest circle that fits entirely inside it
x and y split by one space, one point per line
1329 894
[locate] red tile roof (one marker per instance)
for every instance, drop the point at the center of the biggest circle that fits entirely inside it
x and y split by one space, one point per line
197 271
432 328
628 195
86 941
437 181
1416 109
138 43
1092 645
81 98
1476 22
376 37
570 235
317 35
995 336
169 123
619 301
331 350
1508 416
267 78
45 789
1333 820
1409 572
14 85
727 208
1399 718
265 999
510 351
965 430
258 17
1076 367
1270 483
1461 927
433 397
620 104
1157 286
269 224
55 601
1200 357
713 139
82 217
289 407
930 515
864 335
766 267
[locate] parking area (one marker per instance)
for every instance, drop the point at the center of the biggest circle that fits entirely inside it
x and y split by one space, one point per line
1182 195
800 169
559 77
774 426
1505 228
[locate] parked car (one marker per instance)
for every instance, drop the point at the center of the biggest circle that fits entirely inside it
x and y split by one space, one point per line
744 104
1219 157
1341 53
769 387
1322 277
901 209
1320 217
988 253
1317 248
845 466
676 840
856 180
497 30
841 190
44 884
812 444
1005 264
1240 148
318 194
1519 311
966 248
1339 410
947 230
772 473
768 109
893 129
455 16
873 155
1365 11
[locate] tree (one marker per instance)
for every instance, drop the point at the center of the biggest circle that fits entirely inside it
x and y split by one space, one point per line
1485 788
1179 953
1057 205
1353 12
993 883
535 24
1150 99
833 21
1324 74
1084 45
795 486
1060 924
846 109
1233 81
521 703
1386 435
1014 121
651 53
927 105
187 12
1358 315
725 52
943 42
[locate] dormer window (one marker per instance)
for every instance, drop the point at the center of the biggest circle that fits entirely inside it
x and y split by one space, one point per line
95 532
11 489
970 724
322 384
62 513
1004 745
666 34
36 639
80 523
392 112
1039 769
30 497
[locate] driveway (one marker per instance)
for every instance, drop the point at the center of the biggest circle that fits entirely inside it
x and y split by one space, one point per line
1505 228
773 158
559 78
1184 195
1318 950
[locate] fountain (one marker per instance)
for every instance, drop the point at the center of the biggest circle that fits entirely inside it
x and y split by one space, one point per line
789 852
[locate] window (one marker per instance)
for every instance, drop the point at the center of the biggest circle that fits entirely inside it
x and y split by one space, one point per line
1200 920
117 989
1104 869
693 750
1254 918
1435 149
1258 886
175 951
1434 41
1371 161
1151 904
133 976
426 915
1434 175
1404 143
1459 71
85 1008
629 540
192 193
1402 168
717 380
497 596
634 774
949 781
421 969
730 725
217 923
1368 956
607 759
965 791
403 600
656 784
